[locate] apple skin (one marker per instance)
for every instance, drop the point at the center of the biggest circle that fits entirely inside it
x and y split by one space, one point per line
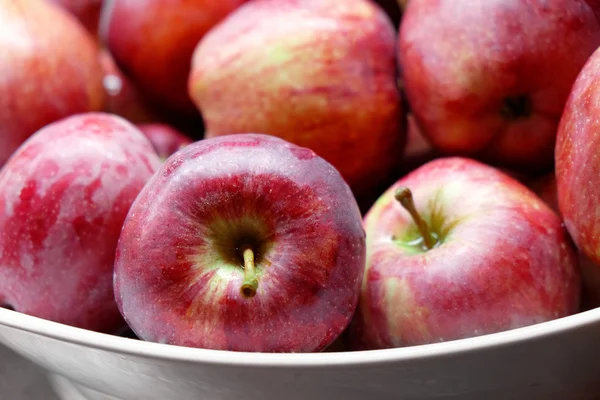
545 187
49 70
86 11
577 162
64 195
504 261
321 74
460 64
177 274
153 41
165 139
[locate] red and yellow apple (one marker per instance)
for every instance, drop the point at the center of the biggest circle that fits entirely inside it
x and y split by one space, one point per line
49 69
489 79
63 198
245 243
321 74
86 11
457 249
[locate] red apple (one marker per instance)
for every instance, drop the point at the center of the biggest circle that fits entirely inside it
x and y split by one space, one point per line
545 187
577 161
49 69
489 79
244 243
121 96
318 73
153 41
86 11
64 195
165 139
476 252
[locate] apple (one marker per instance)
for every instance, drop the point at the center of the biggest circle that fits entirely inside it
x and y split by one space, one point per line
243 242
86 11
489 79
49 70
165 139
545 188
153 41
64 195
318 73
457 249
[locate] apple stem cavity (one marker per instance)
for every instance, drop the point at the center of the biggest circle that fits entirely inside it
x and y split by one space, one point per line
405 197
250 284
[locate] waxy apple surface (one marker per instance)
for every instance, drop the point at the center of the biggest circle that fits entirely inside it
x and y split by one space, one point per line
64 195
489 79
180 272
577 161
503 259
321 74
49 69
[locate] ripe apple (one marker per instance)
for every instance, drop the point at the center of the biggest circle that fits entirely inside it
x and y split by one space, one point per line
577 161
244 243
457 249
64 195
153 42
545 188
489 79
165 139
86 11
49 69
318 73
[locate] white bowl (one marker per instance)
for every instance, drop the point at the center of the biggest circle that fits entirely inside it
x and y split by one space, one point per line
558 360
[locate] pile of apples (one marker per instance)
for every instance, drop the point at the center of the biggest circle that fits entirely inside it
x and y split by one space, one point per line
299 175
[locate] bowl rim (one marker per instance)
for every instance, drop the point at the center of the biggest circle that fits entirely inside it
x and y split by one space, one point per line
135 347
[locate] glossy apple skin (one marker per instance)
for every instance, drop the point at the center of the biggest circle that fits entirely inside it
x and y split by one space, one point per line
153 42
63 198
318 73
577 162
545 187
49 69
165 139
460 63
171 284
505 260
86 11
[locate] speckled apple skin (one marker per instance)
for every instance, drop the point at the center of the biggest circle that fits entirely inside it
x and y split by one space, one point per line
321 74
461 58
153 41
63 198
49 69
171 285
506 260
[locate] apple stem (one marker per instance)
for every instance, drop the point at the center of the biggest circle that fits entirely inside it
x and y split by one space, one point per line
405 197
250 284
402 4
